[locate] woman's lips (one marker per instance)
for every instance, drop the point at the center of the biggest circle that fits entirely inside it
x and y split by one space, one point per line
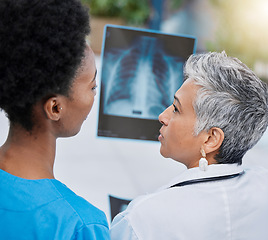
160 137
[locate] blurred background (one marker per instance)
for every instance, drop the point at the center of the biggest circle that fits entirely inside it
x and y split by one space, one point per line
237 26
96 167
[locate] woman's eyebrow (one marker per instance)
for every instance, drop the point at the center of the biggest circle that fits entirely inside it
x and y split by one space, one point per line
94 76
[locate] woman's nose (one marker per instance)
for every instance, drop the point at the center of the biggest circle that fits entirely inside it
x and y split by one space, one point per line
163 117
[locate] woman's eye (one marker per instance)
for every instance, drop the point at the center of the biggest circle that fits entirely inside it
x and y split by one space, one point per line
95 87
175 108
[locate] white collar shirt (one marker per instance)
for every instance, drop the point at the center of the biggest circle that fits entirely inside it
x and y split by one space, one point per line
231 209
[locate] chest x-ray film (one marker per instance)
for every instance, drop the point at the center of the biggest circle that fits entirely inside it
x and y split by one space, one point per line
141 71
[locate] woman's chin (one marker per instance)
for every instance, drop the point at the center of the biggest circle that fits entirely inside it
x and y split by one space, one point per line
163 152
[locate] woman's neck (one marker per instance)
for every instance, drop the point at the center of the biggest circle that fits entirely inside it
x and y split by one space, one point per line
28 155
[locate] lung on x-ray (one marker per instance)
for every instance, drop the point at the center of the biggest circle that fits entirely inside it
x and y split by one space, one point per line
141 71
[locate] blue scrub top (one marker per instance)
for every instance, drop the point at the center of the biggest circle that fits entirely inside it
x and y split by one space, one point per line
46 209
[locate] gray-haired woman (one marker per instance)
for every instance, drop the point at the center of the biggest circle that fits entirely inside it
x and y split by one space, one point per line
219 113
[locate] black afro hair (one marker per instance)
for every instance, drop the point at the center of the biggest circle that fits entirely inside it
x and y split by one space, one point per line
42 43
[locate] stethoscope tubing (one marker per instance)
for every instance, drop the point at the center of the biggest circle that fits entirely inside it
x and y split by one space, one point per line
209 179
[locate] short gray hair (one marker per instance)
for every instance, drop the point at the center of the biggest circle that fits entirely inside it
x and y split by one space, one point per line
232 98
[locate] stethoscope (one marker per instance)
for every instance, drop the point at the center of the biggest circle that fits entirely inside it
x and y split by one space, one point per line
209 179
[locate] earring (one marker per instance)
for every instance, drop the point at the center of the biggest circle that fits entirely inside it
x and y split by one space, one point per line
203 163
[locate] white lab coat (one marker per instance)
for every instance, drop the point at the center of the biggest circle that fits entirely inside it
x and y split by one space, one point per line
227 209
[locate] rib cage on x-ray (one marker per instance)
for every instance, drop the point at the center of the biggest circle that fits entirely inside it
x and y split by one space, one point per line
140 81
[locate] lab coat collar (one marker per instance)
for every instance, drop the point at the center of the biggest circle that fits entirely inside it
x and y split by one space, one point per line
214 170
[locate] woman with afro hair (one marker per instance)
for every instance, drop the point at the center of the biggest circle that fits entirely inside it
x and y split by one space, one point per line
47 89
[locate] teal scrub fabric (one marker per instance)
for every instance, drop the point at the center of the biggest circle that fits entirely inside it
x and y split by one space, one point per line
46 209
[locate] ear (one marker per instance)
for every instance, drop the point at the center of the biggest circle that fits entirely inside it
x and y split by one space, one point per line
214 140
53 109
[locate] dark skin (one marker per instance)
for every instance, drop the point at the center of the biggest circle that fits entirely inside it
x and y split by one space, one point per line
31 155
17 158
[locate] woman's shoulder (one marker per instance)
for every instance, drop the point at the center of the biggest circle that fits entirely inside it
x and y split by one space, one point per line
258 171
87 212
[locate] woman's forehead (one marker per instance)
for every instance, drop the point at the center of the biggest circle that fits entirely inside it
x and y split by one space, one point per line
87 61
